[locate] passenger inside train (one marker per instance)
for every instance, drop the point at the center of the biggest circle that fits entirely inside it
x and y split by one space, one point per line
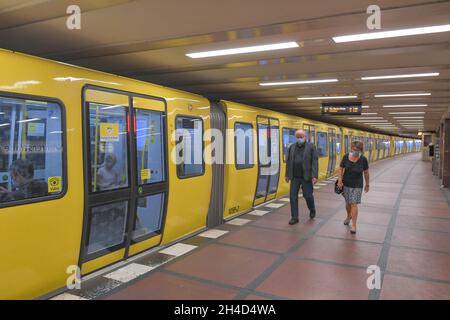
24 186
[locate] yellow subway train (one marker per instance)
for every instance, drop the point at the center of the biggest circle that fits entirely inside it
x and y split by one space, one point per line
90 169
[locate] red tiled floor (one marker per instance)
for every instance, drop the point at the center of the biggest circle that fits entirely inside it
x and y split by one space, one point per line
424 223
255 297
365 232
430 240
404 288
437 205
382 219
263 239
279 222
341 251
297 279
228 265
424 212
419 263
160 286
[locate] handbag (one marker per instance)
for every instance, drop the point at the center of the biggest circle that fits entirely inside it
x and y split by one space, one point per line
336 188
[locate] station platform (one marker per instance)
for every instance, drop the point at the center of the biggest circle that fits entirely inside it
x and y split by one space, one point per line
403 227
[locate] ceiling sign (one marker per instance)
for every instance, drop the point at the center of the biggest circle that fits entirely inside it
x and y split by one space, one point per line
341 108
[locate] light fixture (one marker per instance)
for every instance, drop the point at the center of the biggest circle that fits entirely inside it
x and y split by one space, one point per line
399 76
226 52
406 106
365 107
4 124
392 33
419 112
365 118
402 95
369 113
327 98
286 83
408 117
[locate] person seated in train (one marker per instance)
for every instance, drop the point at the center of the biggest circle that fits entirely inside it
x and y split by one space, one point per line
107 176
24 186
302 169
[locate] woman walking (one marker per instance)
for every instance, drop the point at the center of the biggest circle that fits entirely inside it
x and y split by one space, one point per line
352 168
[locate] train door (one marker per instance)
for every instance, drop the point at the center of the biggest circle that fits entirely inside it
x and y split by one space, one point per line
370 146
126 180
268 159
331 152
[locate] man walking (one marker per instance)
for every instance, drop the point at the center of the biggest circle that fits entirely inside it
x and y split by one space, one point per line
302 163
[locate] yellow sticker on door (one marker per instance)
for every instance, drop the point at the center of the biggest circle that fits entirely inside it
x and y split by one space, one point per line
109 132
146 174
54 184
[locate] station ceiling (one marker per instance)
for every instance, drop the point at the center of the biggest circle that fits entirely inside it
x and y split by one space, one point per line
149 40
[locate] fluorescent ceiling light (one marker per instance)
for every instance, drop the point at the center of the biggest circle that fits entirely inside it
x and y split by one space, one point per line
392 33
402 95
365 118
226 52
408 117
398 76
421 112
285 83
405 106
4 124
365 107
371 121
327 98
369 113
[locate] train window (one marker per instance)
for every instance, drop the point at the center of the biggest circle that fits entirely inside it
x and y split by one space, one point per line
338 144
108 135
322 144
31 150
107 226
149 215
150 146
263 144
189 146
243 145
346 144
288 139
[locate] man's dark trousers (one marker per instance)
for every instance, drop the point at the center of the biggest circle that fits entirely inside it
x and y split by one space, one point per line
307 189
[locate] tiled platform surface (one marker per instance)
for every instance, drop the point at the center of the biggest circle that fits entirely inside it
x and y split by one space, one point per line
404 228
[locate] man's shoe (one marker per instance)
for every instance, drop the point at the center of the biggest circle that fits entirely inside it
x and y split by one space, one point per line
293 221
312 214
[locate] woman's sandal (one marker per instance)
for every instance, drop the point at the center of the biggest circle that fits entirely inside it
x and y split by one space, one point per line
347 221
353 231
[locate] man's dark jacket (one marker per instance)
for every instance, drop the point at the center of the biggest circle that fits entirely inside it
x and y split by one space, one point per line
310 161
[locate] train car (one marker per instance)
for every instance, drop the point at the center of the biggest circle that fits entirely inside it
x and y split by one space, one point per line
64 129
97 168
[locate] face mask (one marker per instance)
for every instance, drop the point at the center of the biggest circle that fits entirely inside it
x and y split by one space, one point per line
301 141
355 154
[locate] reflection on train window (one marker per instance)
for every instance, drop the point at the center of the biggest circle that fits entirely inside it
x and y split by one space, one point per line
149 215
263 143
322 144
189 147
107 225
31 161
338 144
150 146
108 134
288 139
346 144
243 145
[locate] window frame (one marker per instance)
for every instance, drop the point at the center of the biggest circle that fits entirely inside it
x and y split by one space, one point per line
236 165
64 177
326 146
203 148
